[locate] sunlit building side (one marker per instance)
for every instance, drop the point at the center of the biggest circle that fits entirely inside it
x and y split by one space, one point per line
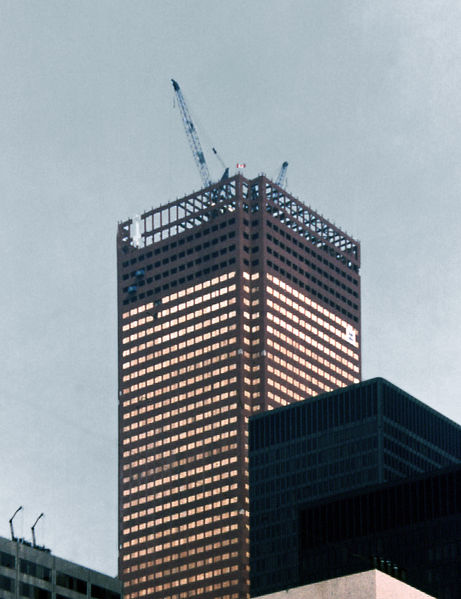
233 300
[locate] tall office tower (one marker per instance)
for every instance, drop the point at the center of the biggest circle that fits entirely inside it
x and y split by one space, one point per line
232 300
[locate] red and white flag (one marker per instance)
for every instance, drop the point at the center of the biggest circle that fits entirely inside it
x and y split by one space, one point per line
241 165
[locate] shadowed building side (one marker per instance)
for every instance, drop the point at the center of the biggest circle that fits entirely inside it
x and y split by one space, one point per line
365 434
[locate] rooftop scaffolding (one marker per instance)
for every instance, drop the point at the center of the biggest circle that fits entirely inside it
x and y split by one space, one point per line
226 196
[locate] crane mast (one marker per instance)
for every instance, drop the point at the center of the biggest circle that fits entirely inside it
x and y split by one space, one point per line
192 136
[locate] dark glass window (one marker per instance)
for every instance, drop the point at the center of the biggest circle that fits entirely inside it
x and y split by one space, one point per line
33 592
7 560
101 593
32 569
6 584
70 582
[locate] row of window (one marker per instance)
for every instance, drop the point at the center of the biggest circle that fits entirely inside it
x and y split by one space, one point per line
208 527
314 265
187 434
167 463
413 416
408 455
181 407
174 439
210 572
187 366
305 390
313 358
191 550
196 352
43 573
300 341
183 293
64 580
307 368
201 474
193 380
342 408
313 278
185 309
315 293
191 341
196 416
272 500
170 506
311 447
181 403
288 292
197 592
148 565
172 258
199 324
218 336
430 450
294 241
279 480
180 241
199 274
276 401
164 519
173 270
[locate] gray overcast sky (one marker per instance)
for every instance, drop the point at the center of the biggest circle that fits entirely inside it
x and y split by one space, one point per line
363 98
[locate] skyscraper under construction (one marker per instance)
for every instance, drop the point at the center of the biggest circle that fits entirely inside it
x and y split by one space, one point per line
233 300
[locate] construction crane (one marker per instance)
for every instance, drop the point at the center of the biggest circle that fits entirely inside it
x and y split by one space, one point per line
282 178
226 169
192 136
194 141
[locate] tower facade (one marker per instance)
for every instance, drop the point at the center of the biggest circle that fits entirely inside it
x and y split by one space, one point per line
233 300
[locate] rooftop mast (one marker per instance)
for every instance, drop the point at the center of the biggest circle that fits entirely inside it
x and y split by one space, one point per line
13 538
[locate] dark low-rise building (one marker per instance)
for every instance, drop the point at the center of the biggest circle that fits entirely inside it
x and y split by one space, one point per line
410 529
345 440
32 572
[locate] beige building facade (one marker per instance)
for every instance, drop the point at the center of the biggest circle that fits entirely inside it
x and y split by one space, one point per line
372 584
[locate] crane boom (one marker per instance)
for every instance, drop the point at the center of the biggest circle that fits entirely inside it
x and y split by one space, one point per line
281 179
192 136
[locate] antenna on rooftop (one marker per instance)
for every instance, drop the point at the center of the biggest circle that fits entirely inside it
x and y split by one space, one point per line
11 522
32 528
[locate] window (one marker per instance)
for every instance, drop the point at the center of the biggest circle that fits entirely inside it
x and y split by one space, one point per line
70 582
6 584
101 593
36 570
28 590
7 560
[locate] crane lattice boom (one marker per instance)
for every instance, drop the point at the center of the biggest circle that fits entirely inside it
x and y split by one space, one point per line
281 179
192 136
